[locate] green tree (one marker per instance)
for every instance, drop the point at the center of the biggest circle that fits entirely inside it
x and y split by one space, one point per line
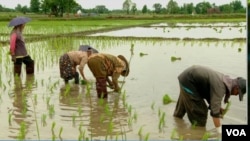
126 5
188 8
101 9
45 6
157 7
59 7
201 8
172 7
34 6
133 8
226 8
144 9
236 6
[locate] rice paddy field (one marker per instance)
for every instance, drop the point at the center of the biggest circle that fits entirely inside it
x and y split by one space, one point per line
42 107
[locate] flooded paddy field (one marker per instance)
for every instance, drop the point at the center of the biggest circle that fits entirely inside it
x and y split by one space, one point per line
41 106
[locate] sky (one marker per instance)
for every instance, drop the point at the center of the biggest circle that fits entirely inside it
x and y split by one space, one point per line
117 4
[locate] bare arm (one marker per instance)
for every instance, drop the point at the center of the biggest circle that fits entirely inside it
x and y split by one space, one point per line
115 77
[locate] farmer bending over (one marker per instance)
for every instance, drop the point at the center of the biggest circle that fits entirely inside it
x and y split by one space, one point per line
104 65
70 60
199 84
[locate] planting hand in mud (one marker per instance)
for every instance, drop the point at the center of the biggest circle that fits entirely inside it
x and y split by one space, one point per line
68 63
105 65
215 85
110 84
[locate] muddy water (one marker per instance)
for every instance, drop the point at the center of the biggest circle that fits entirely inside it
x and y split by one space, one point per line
181 31
42 107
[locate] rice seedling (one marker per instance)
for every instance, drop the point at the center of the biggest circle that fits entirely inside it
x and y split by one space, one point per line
51 110
226 109
159 112
162 121
88 88
47 101
173 134
141 54
140 132
107 110
167 99
37 128
22 131
10 119
67 90
102 118
135 117
206 136
130 110
153 105
79 110
146 137
73 119
130 122
110 127
124 98
173 58
43 120
60 133
81 133
35 99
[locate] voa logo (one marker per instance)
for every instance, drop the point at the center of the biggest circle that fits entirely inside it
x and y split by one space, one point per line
236 132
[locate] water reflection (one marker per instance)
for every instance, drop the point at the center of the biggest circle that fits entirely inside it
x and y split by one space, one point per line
104 118
22 109
220 31
188 132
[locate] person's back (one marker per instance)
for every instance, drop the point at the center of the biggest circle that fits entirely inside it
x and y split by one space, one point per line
198 83
202 80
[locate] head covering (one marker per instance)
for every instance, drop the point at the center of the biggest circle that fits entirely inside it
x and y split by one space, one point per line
242 86
87 48
125 72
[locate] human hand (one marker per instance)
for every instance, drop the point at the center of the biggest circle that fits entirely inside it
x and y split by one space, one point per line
117 89
13 58
111 86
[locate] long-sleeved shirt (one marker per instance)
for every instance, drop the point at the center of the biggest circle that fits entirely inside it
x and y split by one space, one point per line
17 44
207 84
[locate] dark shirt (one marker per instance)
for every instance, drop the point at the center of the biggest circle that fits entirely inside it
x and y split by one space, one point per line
205 83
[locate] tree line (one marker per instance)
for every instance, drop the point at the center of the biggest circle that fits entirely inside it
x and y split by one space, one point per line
61 7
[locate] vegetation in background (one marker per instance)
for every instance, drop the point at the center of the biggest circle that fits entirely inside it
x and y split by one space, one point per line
60 8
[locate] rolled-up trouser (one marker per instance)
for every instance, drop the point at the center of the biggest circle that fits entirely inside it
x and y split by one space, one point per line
96 66
193 105
30 68
17 69
27 61
101 87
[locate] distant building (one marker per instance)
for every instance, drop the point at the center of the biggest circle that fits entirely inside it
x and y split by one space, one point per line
214 10
79 13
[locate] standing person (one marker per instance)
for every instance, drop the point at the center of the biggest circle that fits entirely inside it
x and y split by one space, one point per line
198 85
18 49
104 65
69 61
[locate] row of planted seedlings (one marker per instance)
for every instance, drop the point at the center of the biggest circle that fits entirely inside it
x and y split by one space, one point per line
47 55
30 97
